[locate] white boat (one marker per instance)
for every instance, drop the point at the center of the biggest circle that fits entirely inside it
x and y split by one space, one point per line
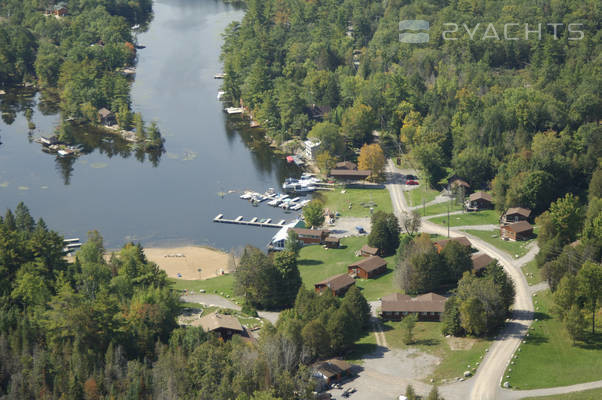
220 94
274 203
135 27
246 195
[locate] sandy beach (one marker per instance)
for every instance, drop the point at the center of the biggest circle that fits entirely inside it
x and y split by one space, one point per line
185 262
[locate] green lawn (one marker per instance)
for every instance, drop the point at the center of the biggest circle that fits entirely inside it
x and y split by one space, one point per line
221 285
416 196
532 272
361 200
361 348
548 358
484 217
593 394
317 263
428 338
439 208
493 237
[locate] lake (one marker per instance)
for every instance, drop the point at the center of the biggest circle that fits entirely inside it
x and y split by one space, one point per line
173 199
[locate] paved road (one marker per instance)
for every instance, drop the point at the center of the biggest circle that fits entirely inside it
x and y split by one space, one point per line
486 383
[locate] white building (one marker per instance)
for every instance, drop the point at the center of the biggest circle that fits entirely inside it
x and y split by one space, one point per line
311 149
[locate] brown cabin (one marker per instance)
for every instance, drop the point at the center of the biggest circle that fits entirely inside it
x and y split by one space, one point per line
332 242
515 214
338 284
225 326
346 165
479 262
311 236
521 230
440 244
349 174
367 268
479 201
428 307
367 251
457 182
106 117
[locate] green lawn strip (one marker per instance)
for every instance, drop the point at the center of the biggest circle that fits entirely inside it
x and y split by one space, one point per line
440 208
416 196
549 359
221 285
317 263
428 338
532 272
361 201
361 348
515 249
484 217
592 394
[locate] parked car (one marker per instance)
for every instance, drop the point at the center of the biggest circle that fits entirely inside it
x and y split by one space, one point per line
412 182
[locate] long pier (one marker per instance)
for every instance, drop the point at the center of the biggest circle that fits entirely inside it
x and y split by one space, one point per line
253 221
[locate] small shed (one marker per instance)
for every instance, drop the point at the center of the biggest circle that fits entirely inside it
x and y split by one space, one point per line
338 284
480 261
332 242
368 251
479 201
367 268
346 165
331 370
521 230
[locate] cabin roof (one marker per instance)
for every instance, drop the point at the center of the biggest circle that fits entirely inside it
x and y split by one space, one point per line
337 282
215 321
370 264
429 302
525 212
480 261
519 227
481 196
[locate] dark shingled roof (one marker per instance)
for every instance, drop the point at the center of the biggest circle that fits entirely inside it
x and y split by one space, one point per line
519 227
481 195
331 368
369 264
345 173
309 232
429 302
525 212
480 261
337 282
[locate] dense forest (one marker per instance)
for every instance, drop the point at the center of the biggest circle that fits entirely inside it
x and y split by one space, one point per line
518 116
79 53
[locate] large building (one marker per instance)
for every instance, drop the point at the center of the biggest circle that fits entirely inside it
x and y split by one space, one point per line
427 307
311 236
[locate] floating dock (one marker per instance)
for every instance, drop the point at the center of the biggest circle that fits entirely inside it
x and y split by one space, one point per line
235 110
266 222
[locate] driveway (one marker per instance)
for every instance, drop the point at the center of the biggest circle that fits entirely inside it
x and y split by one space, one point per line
215 300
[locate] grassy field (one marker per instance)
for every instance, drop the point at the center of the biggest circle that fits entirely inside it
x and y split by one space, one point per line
532 273
493 237
415 196
317 263
361 201
548 358
428 338
221 285
439 208
484 217
593 394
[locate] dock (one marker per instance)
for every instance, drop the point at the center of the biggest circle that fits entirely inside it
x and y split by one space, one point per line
255 221
234 110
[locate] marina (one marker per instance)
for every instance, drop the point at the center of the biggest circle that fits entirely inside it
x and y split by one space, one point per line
255 221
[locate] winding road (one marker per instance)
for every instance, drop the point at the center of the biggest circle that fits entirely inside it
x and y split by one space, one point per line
486 383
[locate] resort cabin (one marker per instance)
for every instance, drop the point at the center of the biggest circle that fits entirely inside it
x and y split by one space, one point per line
106 117
428 307
516 231
60 10
311 236
225 326
367 251
515 214
338 285
479 262
350 174
455 183
479 201
332 242
440 244
367 268
311 149
329 371
346 165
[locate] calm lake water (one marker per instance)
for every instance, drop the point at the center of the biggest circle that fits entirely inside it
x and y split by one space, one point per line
126 197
